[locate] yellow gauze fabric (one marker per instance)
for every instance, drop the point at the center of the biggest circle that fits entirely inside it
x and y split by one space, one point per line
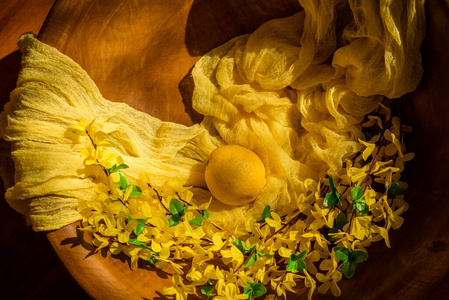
53 93
294 92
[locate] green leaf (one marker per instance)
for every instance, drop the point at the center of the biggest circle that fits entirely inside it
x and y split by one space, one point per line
196 221
396 189
360 256
115 168
260 254
359 203
254 290
253 258
174 220
208 290
136 192
242 247
153 260
332 184
178 211
265 214
136 242
341 253
361 207
206 214
356 193
296 262
348 268
122 183
176 206
341 220
251 261
332 198
140 226
350 259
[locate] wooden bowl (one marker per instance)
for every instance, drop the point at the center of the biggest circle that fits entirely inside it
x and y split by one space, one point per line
141 53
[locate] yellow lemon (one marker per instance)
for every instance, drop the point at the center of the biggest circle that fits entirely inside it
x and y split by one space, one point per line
235 175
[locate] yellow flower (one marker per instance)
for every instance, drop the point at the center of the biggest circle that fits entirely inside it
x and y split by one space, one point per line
382 233
399 202
224 278
386 111
394 218
395 145
179 289
285 252
266 275
231 293
310 259
329 282
256 234
344 239
383 172
99 241
357 175
125 229
285 283
382 210
373 120
199 256
370 147
318 237
207 247
212 272
361 245
401 160
232 255
218 242
275 221
370 196
139 208
115 248
360 227
168 264
329 264
108 190
80 127
157 238
323 217
98 156
310 283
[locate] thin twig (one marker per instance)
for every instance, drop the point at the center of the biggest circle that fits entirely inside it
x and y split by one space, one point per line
159 197
289 223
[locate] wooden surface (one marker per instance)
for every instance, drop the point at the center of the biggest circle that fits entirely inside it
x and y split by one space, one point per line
139 53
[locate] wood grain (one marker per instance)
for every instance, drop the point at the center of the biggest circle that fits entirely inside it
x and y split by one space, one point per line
139 52
20 16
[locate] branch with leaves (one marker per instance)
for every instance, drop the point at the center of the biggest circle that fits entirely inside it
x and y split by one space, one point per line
312 242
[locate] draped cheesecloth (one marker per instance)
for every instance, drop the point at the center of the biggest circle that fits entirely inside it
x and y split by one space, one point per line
294 92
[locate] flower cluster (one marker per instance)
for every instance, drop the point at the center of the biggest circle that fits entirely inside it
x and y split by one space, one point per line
314 241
